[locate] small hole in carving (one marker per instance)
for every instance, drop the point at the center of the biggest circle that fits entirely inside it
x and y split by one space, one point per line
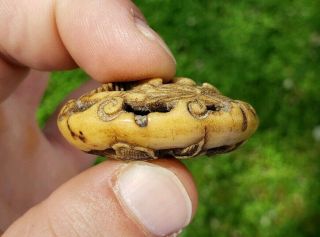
213 107
136 110
147 109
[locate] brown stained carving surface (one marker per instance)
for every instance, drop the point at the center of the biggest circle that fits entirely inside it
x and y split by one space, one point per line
82 137
244 119
79 135
221 123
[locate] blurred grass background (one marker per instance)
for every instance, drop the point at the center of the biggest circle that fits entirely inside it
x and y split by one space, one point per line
267 53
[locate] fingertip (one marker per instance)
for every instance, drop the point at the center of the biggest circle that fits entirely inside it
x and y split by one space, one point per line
110 40
154 193
185 176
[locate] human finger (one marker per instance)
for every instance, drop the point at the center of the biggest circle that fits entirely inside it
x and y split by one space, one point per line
116 199
109 39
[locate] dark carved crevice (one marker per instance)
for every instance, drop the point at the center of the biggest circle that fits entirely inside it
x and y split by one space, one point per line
170 153
223 149
213 107
147 109
136 110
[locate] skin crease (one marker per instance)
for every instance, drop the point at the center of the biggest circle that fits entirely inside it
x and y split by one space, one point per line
54 35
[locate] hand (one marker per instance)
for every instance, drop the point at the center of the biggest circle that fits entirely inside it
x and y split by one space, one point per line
110 40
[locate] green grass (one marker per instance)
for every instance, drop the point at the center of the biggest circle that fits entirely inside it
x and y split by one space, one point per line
266 53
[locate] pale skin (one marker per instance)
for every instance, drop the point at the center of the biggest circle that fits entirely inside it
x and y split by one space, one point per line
40 172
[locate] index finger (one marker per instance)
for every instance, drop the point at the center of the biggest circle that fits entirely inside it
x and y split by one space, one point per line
108 39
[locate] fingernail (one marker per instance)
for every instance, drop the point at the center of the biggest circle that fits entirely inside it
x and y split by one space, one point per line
148 32
155 196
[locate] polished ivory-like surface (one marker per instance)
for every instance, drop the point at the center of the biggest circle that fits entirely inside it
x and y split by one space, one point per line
151 119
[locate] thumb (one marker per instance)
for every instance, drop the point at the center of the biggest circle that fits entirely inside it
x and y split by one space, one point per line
115 199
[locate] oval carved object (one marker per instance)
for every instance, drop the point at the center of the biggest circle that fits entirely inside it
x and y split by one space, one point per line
152 119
